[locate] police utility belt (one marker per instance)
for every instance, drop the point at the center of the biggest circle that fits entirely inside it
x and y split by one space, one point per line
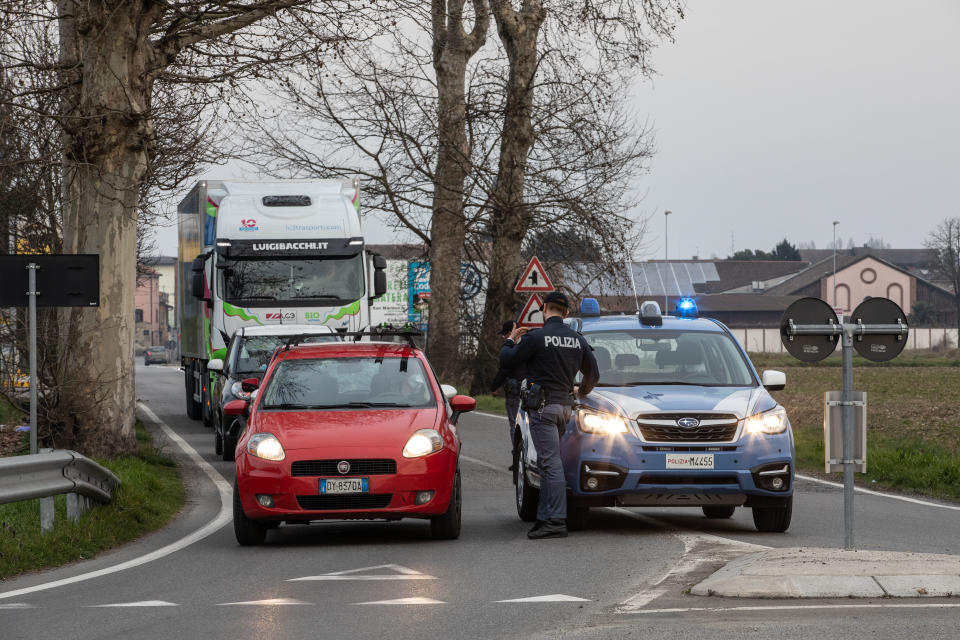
513 387
533 396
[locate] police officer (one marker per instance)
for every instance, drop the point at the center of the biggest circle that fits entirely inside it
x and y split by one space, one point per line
510 379
551 357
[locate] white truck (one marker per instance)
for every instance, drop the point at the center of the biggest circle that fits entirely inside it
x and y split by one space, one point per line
259 253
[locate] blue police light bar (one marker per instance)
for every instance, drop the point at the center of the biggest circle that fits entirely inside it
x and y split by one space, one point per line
687 308
589 307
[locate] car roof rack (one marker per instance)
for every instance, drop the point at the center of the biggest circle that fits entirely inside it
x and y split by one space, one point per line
407 332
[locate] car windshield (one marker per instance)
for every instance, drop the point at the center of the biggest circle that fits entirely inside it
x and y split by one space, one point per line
347 383
328 281
255 351
648 357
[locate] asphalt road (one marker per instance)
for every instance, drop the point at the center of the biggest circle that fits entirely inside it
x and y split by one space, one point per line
624 577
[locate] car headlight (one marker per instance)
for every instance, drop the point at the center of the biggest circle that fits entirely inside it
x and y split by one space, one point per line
601 423
237 390
769 422
266 446
421 443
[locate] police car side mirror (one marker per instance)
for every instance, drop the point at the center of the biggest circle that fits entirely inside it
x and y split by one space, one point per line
773 380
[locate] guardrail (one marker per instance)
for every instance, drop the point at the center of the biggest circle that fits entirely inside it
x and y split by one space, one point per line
44 475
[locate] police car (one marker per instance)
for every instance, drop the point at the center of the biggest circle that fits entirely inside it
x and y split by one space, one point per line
679 418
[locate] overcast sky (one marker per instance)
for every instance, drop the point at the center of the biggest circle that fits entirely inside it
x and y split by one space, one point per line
773 119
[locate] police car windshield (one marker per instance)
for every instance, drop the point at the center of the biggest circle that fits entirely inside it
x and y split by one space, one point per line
347 383
642 357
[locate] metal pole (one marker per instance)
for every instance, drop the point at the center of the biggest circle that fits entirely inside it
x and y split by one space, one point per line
835 223
32 329
666 255
848 444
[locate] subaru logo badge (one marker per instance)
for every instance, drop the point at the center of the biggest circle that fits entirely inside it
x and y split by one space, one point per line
343 467
688 423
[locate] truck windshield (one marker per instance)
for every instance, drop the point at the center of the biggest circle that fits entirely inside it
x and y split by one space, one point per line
330 280
347 383
632 358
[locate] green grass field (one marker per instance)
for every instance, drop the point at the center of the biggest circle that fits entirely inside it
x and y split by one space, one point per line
150 495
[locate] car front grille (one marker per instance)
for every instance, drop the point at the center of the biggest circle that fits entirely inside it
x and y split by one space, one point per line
345 503
663 427
359 467
667 480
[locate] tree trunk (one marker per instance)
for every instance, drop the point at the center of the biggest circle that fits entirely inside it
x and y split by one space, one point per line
107 137
510 217
452 49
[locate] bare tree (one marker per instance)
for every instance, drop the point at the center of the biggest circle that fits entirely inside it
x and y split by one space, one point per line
945 241
107 63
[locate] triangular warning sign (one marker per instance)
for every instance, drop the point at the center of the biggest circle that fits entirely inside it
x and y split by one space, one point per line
534 279
532 314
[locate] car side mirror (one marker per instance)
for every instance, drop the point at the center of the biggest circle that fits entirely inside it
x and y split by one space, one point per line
235 408
250 384
449 391
215 365
773 380
461 404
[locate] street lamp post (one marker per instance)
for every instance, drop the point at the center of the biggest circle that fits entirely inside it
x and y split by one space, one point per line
666 255
835 223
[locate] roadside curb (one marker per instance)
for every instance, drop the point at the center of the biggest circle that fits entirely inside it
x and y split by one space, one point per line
834 573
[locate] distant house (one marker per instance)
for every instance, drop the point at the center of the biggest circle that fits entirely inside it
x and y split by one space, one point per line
151 309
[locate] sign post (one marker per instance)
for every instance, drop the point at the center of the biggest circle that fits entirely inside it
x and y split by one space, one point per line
809 330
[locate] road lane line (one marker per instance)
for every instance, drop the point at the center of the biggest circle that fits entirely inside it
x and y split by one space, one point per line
795 607
488 415
484 463
880 494
224 516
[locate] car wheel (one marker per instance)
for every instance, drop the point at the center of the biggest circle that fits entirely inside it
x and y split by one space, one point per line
447 526
146 363
217 442
206 406
527 496
719 513
578 518
193 407
229 445
773 519
249 532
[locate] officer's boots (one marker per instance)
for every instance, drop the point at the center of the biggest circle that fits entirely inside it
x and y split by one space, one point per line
552 528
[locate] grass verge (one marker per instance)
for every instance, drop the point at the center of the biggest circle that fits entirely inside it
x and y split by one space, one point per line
491 404
150 494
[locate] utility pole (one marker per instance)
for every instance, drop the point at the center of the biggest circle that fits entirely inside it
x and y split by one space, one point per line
666 255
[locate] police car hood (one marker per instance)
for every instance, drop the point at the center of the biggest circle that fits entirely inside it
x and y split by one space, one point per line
633 401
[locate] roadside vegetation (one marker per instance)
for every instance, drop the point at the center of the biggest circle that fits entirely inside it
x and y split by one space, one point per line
913 417
12 442
150 495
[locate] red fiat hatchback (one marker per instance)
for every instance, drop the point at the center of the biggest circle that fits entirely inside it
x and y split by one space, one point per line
344 430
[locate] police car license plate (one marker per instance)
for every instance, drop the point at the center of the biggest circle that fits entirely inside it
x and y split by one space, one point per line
329 486
698 461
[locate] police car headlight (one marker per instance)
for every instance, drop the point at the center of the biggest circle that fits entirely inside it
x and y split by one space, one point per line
769 422
423 442
605 424
266 446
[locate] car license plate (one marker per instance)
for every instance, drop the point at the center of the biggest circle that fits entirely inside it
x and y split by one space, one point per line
330 486
698 461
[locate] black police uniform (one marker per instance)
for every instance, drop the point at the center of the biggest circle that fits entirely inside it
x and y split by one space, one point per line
551 357
510 380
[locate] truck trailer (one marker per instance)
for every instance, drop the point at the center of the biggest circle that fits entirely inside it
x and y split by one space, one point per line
260 253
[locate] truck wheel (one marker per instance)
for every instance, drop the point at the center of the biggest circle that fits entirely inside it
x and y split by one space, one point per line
249 532
527 496
193 407
719 513
447 526
773 519
578 518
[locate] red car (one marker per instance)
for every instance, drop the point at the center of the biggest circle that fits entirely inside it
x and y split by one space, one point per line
348 430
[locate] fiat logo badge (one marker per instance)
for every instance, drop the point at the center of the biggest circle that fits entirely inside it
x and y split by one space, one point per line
688 423
343 467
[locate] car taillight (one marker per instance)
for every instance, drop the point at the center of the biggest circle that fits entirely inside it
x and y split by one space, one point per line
149 354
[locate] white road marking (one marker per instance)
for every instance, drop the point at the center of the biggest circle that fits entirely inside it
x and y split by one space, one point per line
401 601
144 603
881 494
794 607
489 415
556 597
223 517
270 602
17 605
483 463
400 573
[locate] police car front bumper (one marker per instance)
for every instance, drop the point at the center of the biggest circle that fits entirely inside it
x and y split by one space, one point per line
754 471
